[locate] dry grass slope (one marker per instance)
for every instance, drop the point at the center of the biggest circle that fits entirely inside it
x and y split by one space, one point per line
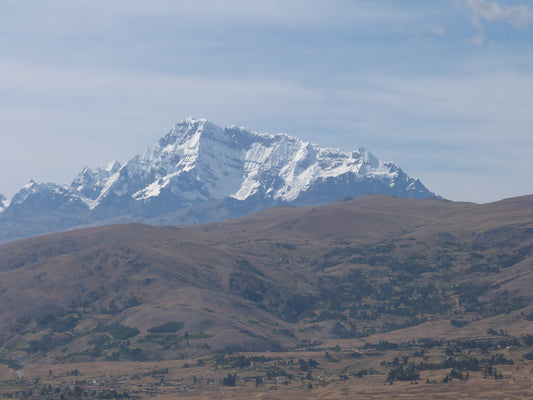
353 273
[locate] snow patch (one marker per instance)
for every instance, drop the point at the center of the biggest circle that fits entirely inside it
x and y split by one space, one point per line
4 203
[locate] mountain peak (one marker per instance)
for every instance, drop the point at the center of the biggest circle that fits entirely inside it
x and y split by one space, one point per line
198 165
183 131
193 121
191 124
30 185
113 166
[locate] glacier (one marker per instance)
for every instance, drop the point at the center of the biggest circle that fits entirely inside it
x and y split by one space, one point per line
200 172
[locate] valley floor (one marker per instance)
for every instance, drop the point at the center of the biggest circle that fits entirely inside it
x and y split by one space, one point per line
330 373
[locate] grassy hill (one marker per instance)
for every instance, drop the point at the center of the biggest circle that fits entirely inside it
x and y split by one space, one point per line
371 269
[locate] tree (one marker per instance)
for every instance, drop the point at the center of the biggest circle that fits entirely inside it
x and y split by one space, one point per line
230 380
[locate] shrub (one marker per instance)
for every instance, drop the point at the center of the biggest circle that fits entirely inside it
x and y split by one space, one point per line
169 327
121 332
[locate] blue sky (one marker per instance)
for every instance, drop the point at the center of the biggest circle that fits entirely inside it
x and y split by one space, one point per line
444 88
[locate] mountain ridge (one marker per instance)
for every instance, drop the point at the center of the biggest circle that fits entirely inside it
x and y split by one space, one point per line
226 172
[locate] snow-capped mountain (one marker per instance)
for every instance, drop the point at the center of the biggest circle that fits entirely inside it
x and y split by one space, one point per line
200 172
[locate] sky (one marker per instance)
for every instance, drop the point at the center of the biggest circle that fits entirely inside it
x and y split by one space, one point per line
443 88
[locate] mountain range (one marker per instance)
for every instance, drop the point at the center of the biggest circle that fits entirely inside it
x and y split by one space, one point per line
200 173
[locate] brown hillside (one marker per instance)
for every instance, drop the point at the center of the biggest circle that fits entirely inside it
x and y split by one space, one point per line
281 278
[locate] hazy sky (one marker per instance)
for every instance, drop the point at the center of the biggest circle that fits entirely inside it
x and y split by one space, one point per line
444 88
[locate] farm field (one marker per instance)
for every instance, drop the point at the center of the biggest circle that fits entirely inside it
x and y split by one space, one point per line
332 373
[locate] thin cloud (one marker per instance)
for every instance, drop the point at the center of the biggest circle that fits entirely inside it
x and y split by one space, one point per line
518 16
62 18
